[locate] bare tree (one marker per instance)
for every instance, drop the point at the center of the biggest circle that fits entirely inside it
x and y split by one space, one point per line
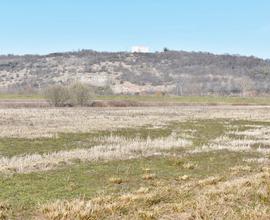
57 95
80 94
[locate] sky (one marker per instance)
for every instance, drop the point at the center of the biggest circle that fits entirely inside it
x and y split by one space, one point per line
217 26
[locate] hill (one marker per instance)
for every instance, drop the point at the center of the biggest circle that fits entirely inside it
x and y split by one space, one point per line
175 72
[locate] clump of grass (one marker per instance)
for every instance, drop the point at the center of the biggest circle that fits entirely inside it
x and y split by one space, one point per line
5 210
149 176
238 169
184 177
265 169
126 206
116 180
142 190
263 193
189 166
209 181
77 209
147 170
177 162
147 215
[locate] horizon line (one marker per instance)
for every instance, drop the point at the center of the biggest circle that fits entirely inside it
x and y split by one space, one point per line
129 51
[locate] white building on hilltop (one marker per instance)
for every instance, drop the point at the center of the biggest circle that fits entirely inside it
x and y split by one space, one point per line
140 49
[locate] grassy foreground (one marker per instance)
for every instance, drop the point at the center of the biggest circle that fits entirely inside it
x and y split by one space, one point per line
179 185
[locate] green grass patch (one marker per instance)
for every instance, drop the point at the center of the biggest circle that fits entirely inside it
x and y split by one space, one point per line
20 96
243 125
214 100
202 132
68 141
17 146
85 180
225 100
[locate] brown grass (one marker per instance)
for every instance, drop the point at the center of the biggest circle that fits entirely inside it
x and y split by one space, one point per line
213 198
34 123
5 210
116 180
149 176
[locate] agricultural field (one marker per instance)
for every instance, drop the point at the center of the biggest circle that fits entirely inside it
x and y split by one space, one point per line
204 100
8 100
176 162
152 99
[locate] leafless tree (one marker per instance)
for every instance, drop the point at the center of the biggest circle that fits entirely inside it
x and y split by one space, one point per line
80 94
57 95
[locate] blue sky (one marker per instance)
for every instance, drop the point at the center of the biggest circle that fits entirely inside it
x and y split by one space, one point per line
218 26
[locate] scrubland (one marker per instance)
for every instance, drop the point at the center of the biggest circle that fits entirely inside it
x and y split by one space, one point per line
185 162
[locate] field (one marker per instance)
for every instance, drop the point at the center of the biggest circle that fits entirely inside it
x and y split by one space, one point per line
34 100
177 162
206 100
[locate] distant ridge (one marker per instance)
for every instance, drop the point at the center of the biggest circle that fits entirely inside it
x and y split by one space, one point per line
174 72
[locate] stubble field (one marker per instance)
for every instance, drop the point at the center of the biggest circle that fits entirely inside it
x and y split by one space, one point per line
185 162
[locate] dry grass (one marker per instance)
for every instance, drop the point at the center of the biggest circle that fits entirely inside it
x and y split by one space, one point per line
149 176
189 166
212 198
193 186
116 180
5 210
33 123
255 139
261 160
239 169
184 177
114 148
209 181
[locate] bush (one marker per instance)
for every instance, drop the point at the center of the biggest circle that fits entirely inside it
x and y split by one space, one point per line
57 95
77 94
80 94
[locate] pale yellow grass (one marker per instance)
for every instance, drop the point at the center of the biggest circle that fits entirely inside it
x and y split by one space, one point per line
5 210
47 122
255 132
212 198
256 136
113 148
261 160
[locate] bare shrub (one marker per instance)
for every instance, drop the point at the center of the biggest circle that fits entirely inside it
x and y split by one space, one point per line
80 94
77 94
57 95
